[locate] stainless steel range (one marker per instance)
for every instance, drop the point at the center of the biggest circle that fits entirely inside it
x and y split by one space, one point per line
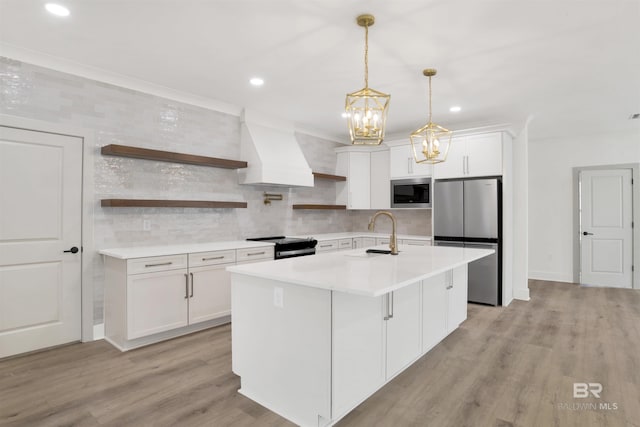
289 247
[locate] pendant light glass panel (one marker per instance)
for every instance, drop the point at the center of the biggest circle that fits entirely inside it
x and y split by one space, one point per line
367 116
431 143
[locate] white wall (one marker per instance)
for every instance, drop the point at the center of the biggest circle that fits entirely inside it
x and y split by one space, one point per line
520 214
550 194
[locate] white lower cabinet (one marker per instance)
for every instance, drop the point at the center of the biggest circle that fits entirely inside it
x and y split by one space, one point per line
457 298
152 299
327 246
210 293
373 340
434 310
382 240
415 242
363 242
358 342
322 353
344 244
403 328
156 302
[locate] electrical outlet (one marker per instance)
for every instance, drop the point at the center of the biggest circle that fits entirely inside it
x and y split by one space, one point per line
146 224
278 297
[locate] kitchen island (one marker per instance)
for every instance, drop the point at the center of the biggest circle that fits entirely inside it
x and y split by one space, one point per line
313 337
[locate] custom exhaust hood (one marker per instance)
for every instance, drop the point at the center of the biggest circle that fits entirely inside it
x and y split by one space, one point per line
272 152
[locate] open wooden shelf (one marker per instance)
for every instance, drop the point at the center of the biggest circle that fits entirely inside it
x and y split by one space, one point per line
168 156
144 203
322 207
328 176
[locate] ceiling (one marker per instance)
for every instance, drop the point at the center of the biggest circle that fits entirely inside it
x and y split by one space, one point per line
571 65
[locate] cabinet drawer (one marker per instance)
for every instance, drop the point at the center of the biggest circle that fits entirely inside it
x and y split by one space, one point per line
254 254
212 258
416 242
156 263
345 243
327 245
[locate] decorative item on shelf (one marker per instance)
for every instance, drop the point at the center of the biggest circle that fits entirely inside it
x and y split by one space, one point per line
366 109
431 142
269 197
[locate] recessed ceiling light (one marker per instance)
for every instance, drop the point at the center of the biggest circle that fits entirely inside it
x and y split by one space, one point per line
57 9
256 81
455 109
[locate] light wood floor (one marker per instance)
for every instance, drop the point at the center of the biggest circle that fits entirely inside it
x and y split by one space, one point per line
511 366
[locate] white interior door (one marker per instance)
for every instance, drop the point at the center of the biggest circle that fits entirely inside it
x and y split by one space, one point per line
606 231
40 218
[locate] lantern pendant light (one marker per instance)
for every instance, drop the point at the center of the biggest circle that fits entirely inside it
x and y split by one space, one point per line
366 109
431 142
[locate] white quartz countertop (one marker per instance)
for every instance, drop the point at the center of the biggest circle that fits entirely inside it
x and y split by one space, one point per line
149 251
350 235
359 273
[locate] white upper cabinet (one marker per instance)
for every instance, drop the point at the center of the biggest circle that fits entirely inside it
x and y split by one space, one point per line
402 163
355 192
380 188
471 156
367 172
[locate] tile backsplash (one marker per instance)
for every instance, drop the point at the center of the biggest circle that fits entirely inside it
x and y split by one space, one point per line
117 115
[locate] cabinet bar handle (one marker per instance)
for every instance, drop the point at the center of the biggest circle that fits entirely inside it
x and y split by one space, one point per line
256 253
186 286
191 296
158 264
325 246
213 257
391 311
386 314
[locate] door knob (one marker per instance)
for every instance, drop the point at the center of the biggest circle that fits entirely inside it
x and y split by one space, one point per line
73 250
586 233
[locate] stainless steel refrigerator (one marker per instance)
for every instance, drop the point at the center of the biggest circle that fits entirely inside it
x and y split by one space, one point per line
468 213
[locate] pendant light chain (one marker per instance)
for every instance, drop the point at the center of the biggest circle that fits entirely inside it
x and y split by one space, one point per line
366 56
429 100
366 109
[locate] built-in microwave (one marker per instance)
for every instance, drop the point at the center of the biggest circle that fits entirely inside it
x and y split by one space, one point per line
411 193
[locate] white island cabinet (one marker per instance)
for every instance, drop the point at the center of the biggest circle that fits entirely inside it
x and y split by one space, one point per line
313 337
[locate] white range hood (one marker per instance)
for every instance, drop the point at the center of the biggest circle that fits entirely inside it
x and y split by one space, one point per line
271 150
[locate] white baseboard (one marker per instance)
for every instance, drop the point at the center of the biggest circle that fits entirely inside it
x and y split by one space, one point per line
551 276
521 294
98 332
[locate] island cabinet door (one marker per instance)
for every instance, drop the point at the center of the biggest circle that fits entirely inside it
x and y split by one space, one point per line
358 350
457 298
403 328
434 310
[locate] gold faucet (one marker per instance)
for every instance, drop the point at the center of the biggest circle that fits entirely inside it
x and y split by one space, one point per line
393 241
